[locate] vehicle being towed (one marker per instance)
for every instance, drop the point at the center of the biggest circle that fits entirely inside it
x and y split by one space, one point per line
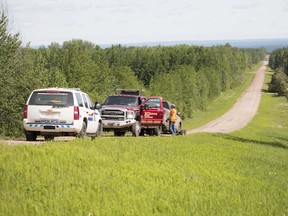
121 112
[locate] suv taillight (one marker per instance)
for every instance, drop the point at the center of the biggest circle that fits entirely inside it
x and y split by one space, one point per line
25 111
76 113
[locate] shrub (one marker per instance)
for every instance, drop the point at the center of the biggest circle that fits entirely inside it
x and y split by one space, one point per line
279 83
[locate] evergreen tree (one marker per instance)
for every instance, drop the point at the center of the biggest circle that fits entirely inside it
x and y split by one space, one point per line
279 83
17 78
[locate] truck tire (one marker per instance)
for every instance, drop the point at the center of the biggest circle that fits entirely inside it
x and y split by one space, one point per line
136 129
151 132
31 136
142 133
157 131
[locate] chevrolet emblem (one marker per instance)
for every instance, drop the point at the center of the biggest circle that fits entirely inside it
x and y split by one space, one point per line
49 111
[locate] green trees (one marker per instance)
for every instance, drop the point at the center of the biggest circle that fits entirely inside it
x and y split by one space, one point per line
16 79
278 61
180 87
279 83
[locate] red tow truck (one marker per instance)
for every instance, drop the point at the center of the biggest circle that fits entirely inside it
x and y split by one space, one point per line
154 117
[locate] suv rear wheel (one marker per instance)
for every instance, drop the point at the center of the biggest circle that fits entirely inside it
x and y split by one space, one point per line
83 130
31 136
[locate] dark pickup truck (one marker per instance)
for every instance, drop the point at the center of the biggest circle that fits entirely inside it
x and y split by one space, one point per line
121 112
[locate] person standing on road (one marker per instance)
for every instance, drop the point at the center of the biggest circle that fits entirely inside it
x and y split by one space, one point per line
172 119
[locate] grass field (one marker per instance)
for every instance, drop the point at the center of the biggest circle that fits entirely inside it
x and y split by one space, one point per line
242 173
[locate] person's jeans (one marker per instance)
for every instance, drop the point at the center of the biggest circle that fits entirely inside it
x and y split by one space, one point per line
172 128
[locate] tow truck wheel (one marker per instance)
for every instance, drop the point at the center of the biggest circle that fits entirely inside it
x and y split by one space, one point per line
157 131
136 129
151 132
142 133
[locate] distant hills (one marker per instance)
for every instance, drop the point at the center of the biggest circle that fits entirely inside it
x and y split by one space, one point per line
269 44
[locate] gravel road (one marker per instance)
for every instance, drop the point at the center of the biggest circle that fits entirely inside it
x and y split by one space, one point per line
242 111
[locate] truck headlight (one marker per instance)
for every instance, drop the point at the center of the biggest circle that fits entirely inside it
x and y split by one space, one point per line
130 114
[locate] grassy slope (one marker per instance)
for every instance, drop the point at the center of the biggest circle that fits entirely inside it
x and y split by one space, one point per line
243 173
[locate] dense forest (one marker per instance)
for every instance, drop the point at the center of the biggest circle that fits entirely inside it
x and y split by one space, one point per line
189 76
278 61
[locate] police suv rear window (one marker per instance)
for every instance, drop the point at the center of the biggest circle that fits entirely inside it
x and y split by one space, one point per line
51 99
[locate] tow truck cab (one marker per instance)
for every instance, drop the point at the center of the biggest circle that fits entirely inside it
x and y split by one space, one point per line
152 116
155 113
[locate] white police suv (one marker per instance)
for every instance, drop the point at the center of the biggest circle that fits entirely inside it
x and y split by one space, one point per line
60 112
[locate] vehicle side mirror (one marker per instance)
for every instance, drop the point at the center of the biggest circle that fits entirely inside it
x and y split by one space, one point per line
178 113
97 105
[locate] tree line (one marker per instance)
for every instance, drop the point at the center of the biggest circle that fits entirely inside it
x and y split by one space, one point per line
278 61
189 76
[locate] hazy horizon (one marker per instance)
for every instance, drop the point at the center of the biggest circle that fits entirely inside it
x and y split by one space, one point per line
41 22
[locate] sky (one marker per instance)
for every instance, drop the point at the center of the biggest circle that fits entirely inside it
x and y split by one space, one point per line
41 22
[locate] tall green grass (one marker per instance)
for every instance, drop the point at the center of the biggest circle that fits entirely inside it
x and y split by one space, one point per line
242 173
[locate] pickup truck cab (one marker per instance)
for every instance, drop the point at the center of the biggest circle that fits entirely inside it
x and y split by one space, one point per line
121 112
60 112
155 114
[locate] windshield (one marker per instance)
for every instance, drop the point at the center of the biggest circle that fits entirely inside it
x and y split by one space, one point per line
153 103
121 100
52 98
